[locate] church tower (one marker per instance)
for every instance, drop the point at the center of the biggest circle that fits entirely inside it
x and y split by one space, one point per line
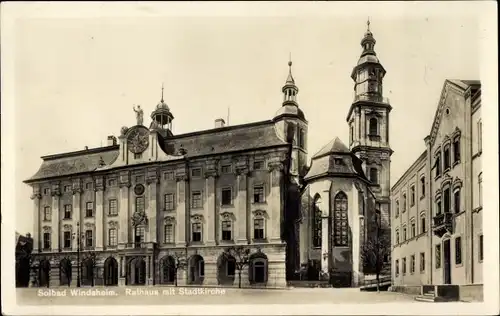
368 121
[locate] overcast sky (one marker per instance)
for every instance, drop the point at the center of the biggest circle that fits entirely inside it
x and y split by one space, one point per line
76 80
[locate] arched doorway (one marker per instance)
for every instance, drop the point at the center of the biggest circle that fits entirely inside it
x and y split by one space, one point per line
88 272
65 269
257 270
226 269
167 275
44 273
196 270
137 271
110 271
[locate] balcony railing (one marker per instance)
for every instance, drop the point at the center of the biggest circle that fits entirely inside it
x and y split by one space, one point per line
139 245
371 98
443 223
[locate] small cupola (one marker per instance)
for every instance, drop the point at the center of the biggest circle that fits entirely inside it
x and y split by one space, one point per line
161 116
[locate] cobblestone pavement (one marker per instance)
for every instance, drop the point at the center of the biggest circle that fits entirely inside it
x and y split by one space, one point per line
188 295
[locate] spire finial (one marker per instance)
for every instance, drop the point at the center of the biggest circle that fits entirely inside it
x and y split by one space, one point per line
368 24
162 92
290 59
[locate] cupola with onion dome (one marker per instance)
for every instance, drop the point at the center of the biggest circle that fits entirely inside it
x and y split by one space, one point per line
162 116
290 107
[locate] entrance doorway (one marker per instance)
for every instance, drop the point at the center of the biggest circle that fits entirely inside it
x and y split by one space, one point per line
447 262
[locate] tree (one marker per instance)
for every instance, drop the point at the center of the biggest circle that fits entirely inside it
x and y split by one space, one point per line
241 256
376 247
179 263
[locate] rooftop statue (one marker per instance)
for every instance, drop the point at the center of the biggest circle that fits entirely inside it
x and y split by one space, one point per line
139 113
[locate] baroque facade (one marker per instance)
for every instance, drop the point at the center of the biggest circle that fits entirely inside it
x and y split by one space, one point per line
346 193
437 203
130 209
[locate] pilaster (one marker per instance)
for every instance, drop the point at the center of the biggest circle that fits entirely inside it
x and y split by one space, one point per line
36 196
55 220
275 168
76 218
124 208
99 210
469 233
210 211
242 206
152 182
182 207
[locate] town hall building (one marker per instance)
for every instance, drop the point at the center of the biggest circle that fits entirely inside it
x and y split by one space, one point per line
128 212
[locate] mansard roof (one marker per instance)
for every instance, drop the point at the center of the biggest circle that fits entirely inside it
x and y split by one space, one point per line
335 160
238 138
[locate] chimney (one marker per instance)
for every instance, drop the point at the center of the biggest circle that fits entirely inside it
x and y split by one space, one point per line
219 123
111 140
86 147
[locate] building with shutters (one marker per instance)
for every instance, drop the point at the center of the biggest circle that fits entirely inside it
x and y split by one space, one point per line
437 203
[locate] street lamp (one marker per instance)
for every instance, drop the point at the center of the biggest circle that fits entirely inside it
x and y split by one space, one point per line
78 237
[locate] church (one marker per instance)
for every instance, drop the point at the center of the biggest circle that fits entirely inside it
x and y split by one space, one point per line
128 212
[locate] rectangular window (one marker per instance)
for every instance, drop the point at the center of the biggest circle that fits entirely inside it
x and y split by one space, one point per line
397 267
140 232
226 198
422 186
397 209
196 232
423 227
258 194
169 175
480 248
89 209
46 240
169 201
139 204
196 173
226 169
196 199
456 197
456 150
67 211
302 139
447 201
404 266
480 188
438 256
404 234
404 203
413 230
258 165
46 213
458 250
397 237
422 261
113 207
226 230
88 238
67 240
67 188
169 233
258 228
412 195
479 136
438 208
112 239
447 157
412 264
438 164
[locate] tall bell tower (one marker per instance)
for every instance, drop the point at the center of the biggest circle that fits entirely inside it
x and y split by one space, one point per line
368 121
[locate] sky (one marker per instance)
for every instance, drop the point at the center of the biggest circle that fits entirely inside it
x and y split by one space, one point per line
77 79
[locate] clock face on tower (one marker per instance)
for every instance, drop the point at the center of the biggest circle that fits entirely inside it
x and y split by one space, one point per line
138 140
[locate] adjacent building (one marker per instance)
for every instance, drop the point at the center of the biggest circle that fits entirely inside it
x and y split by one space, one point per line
437 203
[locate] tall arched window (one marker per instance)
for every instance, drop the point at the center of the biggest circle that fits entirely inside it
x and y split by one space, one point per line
341 224
373 127
317 224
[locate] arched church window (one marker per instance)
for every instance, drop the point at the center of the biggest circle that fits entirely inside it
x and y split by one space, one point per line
374 175
373 127
317 224
341 228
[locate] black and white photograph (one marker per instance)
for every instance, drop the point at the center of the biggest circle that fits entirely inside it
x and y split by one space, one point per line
187 158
